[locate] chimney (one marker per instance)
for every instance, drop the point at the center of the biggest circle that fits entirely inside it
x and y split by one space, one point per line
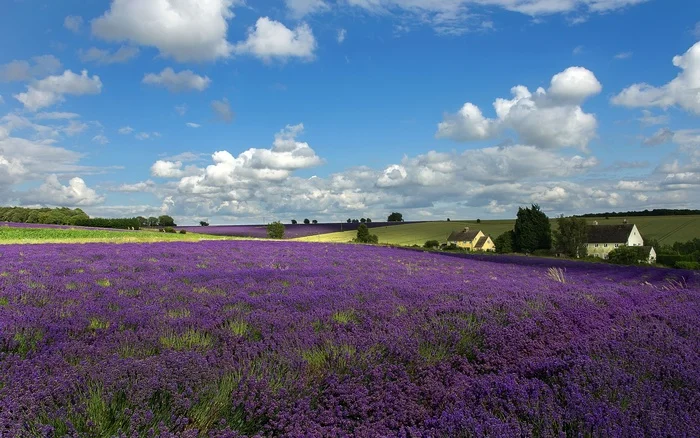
595 222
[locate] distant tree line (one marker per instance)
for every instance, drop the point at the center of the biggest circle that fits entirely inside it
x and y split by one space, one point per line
655 212
359 221
77 217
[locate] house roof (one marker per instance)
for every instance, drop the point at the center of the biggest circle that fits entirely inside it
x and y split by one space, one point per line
609 233
466 235
481 242
647 250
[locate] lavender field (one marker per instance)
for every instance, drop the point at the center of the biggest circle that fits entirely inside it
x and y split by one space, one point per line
254 338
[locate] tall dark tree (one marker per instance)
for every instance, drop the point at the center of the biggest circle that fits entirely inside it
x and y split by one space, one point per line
314 221
571 236
532 230
152 221
166 221
294 221
349 220
395 217
307 222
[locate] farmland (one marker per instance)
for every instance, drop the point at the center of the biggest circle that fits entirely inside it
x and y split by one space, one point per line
291 230
42 234
246 338
667 229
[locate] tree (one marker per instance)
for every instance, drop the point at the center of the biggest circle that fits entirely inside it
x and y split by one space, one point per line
294 221
363 235
478 221
307 222
166 221
142 221
369 221
349 220
275 230
431 244
448 219
532 230
504 243
152 221
314 221
395 217
355 221
627 255
363 220
204 223
571 237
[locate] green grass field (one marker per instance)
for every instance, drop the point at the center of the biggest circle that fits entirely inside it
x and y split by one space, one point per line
51 235
667 229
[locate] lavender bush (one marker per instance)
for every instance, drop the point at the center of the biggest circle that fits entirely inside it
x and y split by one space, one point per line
231 339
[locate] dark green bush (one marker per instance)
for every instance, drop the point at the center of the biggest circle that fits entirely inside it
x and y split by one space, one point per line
183 231
169 230
687 265
431 244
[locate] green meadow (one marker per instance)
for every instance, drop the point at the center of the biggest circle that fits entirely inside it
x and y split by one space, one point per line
10 235
666 229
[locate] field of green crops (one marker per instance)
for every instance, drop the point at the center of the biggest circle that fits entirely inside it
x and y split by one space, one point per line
667 229
10 235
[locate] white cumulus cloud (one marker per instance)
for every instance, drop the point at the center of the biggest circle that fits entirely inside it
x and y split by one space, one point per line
271 39
75 194
683 91
548 118
183 30
177 82
52 89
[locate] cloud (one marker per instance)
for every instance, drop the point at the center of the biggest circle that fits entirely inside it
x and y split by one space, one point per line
106 57
273 40
181 109
648 119
223 110
577 50
56 116
74 128
301 8
101 139
623 55
455 16
342 34
683 91
146 135
193 125
167 169
696 30
75 194
177 82
143 186
184 30
52 89
73 23
662 136
16 71
548 118
126 130
1 100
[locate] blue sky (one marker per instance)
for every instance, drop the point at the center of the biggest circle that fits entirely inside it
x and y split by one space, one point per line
242 112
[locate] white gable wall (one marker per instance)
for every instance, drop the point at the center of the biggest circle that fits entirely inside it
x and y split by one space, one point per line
635 239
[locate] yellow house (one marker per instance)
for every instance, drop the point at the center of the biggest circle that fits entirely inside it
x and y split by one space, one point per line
472 240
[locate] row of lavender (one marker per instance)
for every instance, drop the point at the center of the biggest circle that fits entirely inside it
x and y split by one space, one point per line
291 231
289 339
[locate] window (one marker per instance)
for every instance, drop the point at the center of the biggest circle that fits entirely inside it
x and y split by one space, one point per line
596 245
605 245
616 245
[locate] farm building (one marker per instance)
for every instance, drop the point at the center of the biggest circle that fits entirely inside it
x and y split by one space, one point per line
604 238
472 240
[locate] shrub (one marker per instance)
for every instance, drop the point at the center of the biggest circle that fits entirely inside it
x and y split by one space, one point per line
314 221
294 221
687 265
183 231
478 221
431 244
363 235
505 242
627 255
275 230
204 223
169 230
